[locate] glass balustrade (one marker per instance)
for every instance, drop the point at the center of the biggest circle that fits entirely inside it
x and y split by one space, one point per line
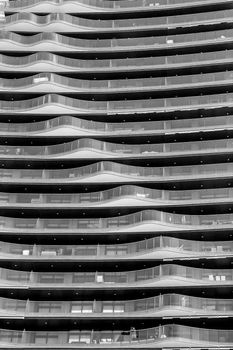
62 104
168 334
186 20
174 221
135 172
32 42
117 149
92 127
121 308
159 274
118 193
114 64
123 85
112 5
147 246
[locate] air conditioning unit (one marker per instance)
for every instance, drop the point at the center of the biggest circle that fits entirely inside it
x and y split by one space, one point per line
26 252
99 278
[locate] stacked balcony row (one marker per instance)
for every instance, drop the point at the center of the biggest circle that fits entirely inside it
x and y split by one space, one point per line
150 218
163 336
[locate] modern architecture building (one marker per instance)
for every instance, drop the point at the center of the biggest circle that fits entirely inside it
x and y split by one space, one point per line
116 174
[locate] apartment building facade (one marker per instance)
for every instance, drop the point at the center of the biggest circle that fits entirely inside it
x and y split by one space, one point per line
116 174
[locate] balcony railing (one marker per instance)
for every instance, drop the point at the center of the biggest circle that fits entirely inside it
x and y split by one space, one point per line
61 104
196 59
112 5
162 275
48 81
98 148
119 251
84 127
162 304
172 221
170 335
120 172
58 42
138 194
119 24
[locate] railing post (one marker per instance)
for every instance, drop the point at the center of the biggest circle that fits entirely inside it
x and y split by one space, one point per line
160 300
34 250
160 331
160 271
161 241
94 305
92 336
27 307
24 337
98 250
31 277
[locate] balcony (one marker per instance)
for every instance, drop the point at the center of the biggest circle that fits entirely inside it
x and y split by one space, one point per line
63 22
162 305
94 149
161 247
118 173
53 83
60 43
55 63
70 126
162 336
96 6
144 221
156 277
122 196
56 104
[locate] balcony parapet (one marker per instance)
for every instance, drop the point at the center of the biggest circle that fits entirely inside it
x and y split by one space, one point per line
160 276
167 336
157 247
117 173
70 126
144 221
52 63
63 22
54 104
50 82
162 305
96 6
47 41
91 148
119 196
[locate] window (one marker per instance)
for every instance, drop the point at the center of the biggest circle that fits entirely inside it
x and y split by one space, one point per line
82 307
116 250
51 278
47 307
46 338
111 307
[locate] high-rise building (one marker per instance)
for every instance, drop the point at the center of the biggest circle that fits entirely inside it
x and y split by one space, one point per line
116 174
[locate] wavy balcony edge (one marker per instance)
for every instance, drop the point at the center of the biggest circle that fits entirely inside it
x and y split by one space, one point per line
121 195
163 304
71 126
49 83
169 275
105 7
54 104
57 62
67 22
135 250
